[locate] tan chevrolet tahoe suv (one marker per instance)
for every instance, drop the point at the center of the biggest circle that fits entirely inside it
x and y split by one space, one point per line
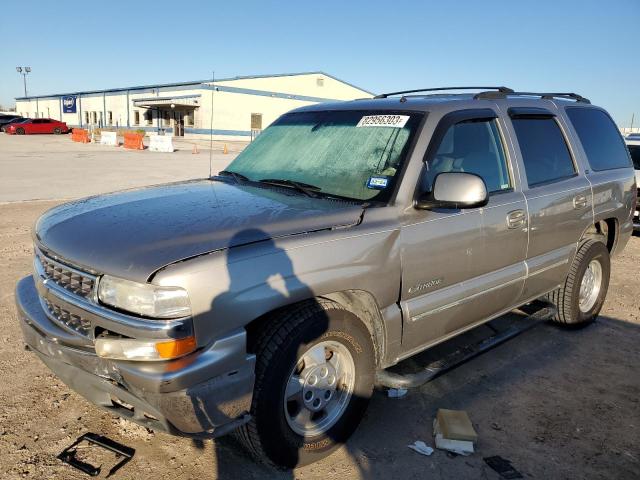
271 298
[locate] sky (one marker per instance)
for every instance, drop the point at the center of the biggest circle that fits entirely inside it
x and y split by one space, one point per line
589 47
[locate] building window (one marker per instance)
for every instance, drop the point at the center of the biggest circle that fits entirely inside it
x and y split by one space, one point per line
94 117
136 117
86 117
166 118
320 82
190 118
110 118
148 117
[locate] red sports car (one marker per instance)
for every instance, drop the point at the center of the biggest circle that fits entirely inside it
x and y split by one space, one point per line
36 125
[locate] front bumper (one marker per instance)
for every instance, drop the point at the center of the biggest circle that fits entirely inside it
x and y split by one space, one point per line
205 394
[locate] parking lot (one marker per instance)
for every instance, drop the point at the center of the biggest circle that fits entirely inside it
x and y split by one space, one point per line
557 403
53 167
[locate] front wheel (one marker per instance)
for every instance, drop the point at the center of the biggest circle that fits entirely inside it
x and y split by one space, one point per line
314 378
581 297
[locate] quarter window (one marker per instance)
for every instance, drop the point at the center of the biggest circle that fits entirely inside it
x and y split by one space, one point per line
472 146
599 137
544 150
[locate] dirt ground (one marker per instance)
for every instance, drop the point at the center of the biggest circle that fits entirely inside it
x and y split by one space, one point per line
556 403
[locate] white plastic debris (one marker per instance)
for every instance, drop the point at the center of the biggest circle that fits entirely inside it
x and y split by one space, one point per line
421 447
397 392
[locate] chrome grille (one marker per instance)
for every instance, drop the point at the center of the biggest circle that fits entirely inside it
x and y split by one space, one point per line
70 320
68 278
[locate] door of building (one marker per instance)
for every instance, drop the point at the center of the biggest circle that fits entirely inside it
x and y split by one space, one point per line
178 123
256 125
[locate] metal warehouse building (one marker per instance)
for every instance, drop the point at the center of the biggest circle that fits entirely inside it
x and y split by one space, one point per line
242 106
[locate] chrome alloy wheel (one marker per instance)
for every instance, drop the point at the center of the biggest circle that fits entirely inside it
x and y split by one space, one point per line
590 286
319 388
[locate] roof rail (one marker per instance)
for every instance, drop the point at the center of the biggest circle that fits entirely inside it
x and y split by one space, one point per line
544 95
501 90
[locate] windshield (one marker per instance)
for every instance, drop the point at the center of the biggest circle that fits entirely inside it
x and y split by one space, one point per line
635 155
352 154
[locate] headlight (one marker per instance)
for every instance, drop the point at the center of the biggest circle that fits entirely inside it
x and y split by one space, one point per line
144 298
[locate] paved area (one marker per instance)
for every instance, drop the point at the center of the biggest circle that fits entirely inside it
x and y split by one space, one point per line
53 167
557 403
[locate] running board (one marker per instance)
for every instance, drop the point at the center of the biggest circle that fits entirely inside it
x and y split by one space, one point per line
385 378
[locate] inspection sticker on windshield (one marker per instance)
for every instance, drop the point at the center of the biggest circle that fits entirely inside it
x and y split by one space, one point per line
396 121
378 183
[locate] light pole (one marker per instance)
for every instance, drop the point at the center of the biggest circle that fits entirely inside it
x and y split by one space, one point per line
24 71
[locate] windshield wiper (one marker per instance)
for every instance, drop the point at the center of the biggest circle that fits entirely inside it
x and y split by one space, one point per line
235 175
305 188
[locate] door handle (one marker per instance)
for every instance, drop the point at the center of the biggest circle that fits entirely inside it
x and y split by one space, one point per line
580 201
516 219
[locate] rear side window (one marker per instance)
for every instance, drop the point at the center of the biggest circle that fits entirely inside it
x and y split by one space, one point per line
544 151
600 138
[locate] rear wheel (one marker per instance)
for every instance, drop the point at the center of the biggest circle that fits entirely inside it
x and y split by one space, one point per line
580 299
314 378
20 131
57 130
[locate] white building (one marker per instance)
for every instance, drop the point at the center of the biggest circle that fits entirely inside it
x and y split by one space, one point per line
242 106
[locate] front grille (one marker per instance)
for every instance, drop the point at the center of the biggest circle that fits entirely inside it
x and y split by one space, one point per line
70 320
68 278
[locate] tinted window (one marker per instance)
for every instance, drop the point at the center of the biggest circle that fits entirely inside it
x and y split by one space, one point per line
473 147
599 137
634 150
544 151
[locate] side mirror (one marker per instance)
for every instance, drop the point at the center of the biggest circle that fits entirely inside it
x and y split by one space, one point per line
454 190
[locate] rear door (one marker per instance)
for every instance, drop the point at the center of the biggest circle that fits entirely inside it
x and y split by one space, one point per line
461 266
46 126
558 196
35 126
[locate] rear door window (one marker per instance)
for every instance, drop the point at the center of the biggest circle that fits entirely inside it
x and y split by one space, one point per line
544 150
600 138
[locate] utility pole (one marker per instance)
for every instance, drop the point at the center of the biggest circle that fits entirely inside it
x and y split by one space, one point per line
24 71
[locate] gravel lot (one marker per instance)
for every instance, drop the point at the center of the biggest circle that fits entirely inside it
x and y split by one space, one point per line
556 403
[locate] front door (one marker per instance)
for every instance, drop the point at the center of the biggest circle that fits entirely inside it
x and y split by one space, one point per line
178 123
462 266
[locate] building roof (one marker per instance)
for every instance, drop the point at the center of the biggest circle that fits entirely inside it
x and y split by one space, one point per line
190 83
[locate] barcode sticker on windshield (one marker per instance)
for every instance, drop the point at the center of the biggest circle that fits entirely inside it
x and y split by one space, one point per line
396 121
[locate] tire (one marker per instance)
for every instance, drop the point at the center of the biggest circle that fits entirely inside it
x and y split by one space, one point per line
270 436
567 299
20 131
57 131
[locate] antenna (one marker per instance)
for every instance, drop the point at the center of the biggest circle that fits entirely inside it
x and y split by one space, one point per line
213 89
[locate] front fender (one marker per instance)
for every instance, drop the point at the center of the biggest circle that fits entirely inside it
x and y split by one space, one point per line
231 288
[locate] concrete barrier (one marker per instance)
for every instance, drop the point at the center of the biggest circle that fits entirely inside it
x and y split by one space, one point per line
161 143
109 138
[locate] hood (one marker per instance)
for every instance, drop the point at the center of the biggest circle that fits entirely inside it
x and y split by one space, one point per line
132 234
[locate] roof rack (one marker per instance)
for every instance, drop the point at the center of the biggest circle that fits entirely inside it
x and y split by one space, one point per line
545 96
499 90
